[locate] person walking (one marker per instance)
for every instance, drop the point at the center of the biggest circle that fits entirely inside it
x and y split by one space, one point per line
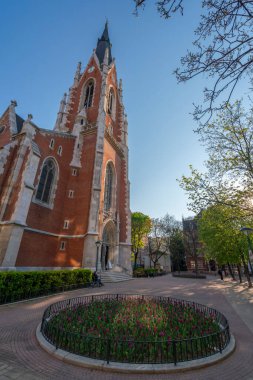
220 273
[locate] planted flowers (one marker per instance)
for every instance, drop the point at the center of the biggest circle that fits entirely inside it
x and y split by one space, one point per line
135 330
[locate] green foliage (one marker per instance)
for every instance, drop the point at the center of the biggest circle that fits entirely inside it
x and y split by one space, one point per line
162 235
141 226
130 326
141 272
219 230
177 250
20 285
228 179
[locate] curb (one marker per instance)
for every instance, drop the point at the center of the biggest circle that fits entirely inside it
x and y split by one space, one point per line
82 361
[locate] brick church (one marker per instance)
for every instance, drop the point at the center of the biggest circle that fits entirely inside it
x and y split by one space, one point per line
66 189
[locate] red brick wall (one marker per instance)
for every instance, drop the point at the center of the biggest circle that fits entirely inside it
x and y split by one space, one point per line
122 200
41 250
109 120
92 112
119 165
76 209
44 250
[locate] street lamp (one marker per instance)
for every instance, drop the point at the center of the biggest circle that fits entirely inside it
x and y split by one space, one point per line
247 231
98 244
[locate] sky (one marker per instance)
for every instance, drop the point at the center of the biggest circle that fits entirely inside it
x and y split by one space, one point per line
43 40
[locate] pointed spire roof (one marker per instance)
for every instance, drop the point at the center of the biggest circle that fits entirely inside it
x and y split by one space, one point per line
103 44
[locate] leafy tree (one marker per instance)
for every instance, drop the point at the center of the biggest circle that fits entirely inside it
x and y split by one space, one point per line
164 236
219 230
229 176
158 242
141 226
222 49
177 250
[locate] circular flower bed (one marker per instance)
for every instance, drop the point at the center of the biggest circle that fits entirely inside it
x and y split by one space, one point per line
135 329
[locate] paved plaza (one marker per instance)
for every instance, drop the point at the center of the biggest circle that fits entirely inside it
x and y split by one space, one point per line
22 358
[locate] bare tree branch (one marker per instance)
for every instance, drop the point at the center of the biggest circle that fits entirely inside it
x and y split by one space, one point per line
223 48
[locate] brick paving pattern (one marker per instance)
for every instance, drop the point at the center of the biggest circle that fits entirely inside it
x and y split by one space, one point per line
22 358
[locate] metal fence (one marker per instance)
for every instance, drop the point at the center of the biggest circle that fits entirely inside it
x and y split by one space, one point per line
131 351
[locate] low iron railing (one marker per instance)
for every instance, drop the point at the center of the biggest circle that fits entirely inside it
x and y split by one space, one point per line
142 352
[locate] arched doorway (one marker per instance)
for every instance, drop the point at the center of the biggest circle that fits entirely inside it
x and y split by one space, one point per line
108 246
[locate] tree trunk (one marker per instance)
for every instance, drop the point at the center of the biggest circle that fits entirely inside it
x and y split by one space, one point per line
196 264
246 272
231 271
135 258
239 273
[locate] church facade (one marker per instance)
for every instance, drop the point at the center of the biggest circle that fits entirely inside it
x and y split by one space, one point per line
64 193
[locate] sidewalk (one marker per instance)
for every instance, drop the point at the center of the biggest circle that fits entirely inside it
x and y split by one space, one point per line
22 358
241 298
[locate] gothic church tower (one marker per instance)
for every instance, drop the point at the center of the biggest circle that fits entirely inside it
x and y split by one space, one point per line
63 190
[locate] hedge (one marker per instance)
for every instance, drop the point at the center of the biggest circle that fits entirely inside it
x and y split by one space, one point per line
22 285
148 272
188 275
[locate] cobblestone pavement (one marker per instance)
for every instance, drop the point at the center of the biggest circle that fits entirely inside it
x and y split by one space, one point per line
22 358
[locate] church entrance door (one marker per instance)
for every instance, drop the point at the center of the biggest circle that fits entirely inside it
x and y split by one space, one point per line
108 246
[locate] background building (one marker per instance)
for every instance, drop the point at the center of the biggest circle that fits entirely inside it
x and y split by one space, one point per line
61 190
194 254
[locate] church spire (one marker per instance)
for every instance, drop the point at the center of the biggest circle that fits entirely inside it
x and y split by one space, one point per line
105 35
103 44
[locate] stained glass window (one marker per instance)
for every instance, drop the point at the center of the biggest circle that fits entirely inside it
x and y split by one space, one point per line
46 181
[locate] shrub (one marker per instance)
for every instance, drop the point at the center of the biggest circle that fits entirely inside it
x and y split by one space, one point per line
151 271
21 285
141 272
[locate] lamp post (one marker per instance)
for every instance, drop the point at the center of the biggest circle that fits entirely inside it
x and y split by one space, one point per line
98 244
247 231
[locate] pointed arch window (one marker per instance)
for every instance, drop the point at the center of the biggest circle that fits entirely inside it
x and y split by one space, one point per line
51 145
110 102
108 188
89 91
46 183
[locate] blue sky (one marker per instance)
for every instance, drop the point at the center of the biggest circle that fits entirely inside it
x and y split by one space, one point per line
41 43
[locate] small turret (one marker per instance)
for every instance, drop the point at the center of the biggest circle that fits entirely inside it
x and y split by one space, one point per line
60 113
78 73
12 117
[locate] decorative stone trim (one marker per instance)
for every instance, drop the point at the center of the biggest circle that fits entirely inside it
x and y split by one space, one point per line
63 246
42 232
114 144
12 117
49 132
4 153
66 224
82 97
51 145
49 205
71 194
12 222
88 128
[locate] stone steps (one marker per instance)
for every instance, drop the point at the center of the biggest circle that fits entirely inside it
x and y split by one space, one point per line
110 276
